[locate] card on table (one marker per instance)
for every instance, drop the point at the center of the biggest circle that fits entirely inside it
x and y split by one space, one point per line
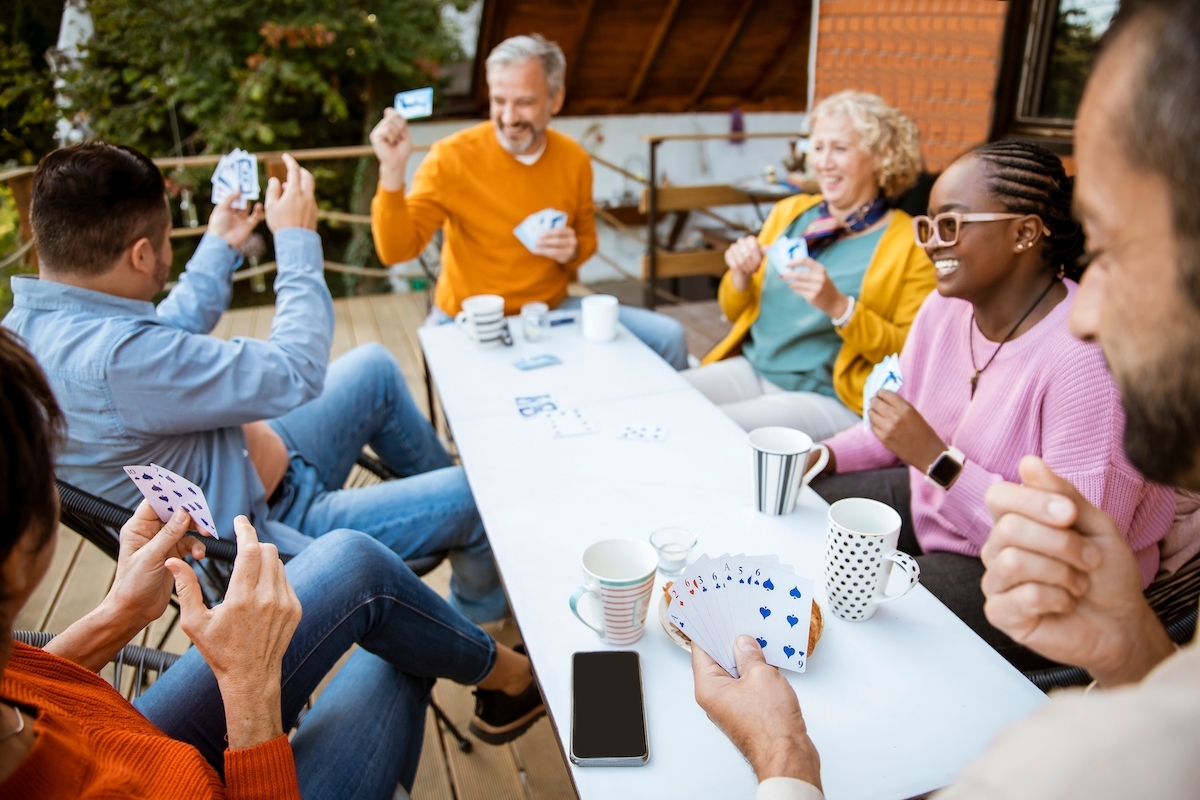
533 226
731 596
414 103
569 422
535 404
168 492
784 251
885 375
537 362
644 433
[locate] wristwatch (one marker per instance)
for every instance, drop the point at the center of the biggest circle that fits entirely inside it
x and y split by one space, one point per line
945 468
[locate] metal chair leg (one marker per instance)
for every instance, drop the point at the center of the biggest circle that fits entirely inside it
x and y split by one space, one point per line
464 743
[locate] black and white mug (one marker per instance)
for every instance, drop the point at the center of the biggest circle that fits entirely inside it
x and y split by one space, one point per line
482 319
860 551
779 456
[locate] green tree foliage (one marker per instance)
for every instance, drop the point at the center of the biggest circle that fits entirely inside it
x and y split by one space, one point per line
1075 45
27 111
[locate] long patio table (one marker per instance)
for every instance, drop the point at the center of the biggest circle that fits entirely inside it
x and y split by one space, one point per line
896 705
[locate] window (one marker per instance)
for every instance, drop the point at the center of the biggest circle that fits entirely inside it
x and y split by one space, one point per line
1049 49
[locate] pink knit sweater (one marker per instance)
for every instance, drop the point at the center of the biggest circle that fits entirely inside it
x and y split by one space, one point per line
1046 394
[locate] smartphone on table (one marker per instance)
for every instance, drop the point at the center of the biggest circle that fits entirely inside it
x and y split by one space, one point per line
608 712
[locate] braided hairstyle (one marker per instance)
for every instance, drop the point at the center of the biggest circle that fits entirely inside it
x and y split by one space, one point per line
1029 179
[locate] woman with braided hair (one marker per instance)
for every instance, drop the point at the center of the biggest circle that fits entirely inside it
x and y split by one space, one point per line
991 373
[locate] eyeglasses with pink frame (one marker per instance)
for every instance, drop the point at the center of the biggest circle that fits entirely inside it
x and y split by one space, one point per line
928 230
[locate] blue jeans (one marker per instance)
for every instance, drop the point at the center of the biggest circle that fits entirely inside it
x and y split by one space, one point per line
364 734
662 334
428 511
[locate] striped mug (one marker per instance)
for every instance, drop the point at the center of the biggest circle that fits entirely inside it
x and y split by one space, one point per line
620 574
779 456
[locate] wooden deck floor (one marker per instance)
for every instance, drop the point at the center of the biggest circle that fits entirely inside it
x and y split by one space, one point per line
533 767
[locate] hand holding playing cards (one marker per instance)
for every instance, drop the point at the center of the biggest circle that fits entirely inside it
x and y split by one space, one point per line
1062 580
393 146
233 225
743 257
902 429
244 638
558 244
140 590
809 279
292 204
759 713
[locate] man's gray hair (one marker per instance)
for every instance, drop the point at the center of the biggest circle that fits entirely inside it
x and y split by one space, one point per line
519 49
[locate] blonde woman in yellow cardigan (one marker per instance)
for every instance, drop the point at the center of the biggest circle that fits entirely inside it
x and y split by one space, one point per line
808 336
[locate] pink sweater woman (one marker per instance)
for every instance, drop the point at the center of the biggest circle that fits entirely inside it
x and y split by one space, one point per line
992 373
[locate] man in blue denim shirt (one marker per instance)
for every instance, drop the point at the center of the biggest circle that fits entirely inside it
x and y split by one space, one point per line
142 384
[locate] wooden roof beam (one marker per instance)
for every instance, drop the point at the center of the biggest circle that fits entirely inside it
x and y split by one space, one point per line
784 55
575 54
730 37
660 35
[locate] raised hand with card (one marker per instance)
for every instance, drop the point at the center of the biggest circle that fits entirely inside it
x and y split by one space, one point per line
232 224
393 146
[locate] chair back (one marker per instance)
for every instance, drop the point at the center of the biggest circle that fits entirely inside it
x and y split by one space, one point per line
143 659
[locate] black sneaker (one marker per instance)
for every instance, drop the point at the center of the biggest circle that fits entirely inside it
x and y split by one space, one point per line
500 718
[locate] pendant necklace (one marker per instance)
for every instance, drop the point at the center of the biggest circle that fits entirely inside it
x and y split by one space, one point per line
971 338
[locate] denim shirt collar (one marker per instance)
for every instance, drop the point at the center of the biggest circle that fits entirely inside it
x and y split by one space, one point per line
42 295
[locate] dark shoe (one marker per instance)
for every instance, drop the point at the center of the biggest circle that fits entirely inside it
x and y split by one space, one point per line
500 718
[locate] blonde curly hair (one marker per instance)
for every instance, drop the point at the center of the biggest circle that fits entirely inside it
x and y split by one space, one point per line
883 132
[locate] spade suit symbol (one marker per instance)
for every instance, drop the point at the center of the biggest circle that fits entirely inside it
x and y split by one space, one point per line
766 612
789 651
761 642
146 477
795 592
155 487
792 620
770 587
163 497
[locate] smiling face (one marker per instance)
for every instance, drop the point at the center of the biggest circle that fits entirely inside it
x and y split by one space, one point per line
845 171
985 254
521 105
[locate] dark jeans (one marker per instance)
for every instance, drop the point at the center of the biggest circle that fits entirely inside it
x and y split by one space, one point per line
952 578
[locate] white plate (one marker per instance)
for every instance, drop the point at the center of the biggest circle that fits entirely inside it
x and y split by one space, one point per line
676 637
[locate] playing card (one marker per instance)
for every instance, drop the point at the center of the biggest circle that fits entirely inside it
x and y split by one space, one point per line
246 165
683 611
533 405
533 226
536 362
569 422
780 607
700 611
236 170
784 251
885 375
414 103
168 492
643 433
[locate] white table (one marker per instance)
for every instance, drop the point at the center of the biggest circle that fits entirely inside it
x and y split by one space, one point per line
896 705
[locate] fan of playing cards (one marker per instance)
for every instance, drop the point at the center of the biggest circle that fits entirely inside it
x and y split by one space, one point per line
168 492
886 375
236 170
537 223
718 599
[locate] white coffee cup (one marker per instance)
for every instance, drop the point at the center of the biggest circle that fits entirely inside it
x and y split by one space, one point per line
620 574
482 319
600 317
860 550
779 456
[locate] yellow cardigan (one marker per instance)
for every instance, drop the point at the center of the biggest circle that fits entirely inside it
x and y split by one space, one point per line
896 282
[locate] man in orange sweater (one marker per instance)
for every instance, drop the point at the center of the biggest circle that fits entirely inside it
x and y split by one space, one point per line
482 182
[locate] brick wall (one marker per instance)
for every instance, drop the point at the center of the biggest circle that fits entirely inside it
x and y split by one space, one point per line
934 59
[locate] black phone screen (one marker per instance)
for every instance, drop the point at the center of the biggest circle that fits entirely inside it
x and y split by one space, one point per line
607 718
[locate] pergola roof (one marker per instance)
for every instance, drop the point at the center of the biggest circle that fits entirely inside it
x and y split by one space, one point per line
635 56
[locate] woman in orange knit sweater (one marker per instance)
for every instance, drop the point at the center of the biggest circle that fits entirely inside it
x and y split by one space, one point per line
65 733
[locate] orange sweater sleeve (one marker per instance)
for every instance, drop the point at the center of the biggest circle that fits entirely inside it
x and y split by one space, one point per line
585 221
264 772
403 225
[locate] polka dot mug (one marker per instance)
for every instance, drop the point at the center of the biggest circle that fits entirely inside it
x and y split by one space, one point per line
860 550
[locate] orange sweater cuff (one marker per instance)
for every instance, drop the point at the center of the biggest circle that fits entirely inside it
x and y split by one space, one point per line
264 771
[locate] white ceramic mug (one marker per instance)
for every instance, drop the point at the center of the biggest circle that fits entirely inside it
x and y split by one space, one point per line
482 319
600 317
620 574
779 456
860 550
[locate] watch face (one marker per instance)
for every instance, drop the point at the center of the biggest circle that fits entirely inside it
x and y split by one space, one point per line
945 470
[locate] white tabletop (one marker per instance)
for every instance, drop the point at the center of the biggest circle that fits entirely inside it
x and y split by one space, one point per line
896 705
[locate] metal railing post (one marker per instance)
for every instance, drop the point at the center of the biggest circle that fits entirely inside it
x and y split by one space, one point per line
652 225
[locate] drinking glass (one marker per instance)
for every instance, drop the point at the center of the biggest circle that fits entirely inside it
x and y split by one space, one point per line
536 321
674 547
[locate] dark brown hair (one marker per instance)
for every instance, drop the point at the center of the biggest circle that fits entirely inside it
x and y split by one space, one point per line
1162 128
31 425
93 200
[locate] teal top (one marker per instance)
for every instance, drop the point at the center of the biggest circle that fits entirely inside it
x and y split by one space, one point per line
792 343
